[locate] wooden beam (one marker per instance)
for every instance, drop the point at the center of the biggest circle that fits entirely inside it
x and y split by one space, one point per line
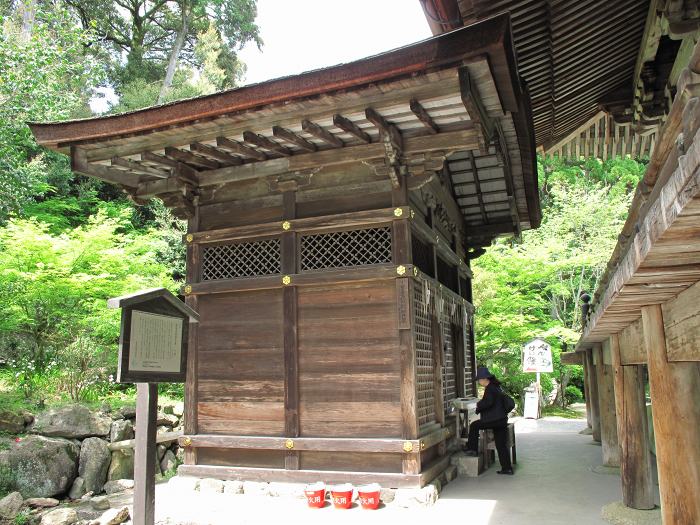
145 453
317 131
331 157
214 153
79 164
388 132
293 138
194 260
420 112
675 390
240 149
265 143
606 404
632 431
139 168
153 158
190 158
592 394
475 107
477 187
349 126
302 476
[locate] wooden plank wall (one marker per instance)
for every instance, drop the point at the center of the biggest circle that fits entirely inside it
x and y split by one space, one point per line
682 325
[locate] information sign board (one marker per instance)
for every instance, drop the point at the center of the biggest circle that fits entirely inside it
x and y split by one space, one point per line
537 357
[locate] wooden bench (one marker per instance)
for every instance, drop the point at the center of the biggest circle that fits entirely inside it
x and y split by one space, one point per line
487 445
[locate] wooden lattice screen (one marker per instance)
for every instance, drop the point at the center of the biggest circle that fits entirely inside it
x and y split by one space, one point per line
241 259
422 256
345 248
424 356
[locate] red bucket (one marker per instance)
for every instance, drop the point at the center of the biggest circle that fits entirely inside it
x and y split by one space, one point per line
342 496
315 495
369 496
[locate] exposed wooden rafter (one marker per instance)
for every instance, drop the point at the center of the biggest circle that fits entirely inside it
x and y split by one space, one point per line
240 149
216 154
479 194
191 158
420 112
159 160
475 107
80 164
317 131
350 127
388 132
293 138
263 142
140 169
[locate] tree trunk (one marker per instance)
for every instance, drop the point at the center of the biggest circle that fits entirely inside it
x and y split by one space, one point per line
28 10
174 55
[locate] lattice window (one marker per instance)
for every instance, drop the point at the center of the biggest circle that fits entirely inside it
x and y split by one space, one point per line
346 248
242 259
449 382
423 256
424 357
447 274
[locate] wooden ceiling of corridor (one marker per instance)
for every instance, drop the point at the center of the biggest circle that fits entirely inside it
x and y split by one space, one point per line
438 97
570 52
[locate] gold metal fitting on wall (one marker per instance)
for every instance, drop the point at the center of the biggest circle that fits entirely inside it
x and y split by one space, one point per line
187 442
289 444
415 271
413 213
398 212
188 289
401 269
189 237
422 445
407 446
286 280
286 225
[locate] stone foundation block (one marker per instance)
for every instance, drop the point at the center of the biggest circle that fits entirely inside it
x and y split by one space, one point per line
468 466
256 488
211 485
409 498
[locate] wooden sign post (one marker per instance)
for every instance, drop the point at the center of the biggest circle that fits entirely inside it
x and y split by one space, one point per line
152 350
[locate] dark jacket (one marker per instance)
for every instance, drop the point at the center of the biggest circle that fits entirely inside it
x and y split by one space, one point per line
491 405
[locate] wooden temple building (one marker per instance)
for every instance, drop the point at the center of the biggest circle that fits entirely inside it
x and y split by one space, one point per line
615 79
332 218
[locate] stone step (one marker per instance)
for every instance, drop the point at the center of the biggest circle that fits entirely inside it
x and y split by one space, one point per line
469 466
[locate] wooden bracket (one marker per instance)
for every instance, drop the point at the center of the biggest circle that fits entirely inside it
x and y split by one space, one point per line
292 181
485 125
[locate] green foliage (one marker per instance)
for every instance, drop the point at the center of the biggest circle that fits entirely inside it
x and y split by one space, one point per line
531 287
573 394
7 480
45 76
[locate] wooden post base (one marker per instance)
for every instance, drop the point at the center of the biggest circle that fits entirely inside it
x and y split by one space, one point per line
144 477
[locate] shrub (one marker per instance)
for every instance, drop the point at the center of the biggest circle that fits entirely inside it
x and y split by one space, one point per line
573 394
7 481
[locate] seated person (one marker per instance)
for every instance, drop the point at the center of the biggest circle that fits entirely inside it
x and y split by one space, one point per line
493 416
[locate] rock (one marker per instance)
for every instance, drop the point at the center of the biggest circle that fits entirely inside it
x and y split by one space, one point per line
168 420
233 487
617 513
186 484
71 421
11 422
118 485
160 451
169 462
180 454
179 409
43 467
437 484
387 495
451 473
411 498
256 488
162 429
100 503
41 503
10 505
28 417
94 463
122 465
128 412
469 466
78 490
115 516
60 517
87 496
289 490
121 429
211 485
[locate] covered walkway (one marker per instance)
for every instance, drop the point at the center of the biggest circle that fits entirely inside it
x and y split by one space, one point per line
558 480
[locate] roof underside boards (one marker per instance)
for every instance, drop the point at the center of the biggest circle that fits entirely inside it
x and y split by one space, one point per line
333 117
570 52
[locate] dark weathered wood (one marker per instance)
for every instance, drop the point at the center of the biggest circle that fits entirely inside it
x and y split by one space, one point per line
153 158
676 385
349 126
293 138
420 112
387 130
193 271
376 445
632 431
79 164
139 168
434 470
606 404
303 476
165 437
475 107
317 131
587 390
438 362
190 158
240 149
145 453
593 395
263 142
217 154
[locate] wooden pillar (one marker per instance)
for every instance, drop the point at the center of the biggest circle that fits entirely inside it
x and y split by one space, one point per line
675 395
592 394
191 386
145 453
290 320
632 431
606 407
586 388
402 255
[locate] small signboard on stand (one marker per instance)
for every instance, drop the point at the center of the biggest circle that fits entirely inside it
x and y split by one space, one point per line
152 349
537 357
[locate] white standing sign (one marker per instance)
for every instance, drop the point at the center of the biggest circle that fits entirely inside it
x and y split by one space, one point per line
537 357
156 342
